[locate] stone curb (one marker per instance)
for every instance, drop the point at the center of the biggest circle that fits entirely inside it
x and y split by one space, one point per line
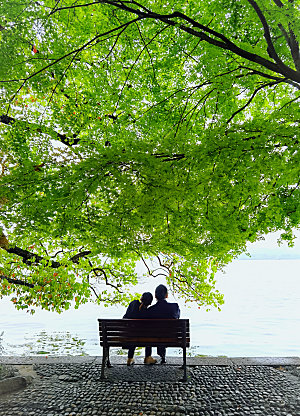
191 361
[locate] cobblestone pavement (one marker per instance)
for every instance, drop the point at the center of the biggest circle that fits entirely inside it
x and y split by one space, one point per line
76 390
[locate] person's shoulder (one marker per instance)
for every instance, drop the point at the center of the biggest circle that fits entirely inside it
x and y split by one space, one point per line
174 304
163 304
174 310
134 302
132 309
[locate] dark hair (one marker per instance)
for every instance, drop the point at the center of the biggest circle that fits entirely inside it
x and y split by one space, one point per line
161 292
146 298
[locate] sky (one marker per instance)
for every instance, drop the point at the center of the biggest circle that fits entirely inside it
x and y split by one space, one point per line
269 249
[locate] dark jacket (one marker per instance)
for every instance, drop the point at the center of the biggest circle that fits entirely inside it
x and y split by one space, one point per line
133 311
163 309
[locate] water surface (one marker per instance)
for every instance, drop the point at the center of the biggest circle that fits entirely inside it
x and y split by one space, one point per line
261 317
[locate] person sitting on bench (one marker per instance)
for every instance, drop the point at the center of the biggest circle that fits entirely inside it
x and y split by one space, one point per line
138 310
163 309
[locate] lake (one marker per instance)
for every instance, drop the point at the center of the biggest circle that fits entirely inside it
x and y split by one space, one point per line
260 317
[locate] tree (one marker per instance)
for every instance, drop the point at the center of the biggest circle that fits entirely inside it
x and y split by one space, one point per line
134 131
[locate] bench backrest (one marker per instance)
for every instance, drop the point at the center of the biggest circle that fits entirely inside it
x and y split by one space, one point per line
144 332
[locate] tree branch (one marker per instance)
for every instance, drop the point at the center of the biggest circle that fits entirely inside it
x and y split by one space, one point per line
68 141
218 39
16 281
30 258
103 273
75 259
148 52
72 7
267 34
76 51
290 39
145 264
136 60
251 98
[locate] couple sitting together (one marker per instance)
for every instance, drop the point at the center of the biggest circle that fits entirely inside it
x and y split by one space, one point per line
162 309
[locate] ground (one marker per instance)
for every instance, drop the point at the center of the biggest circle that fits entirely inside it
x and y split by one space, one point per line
72 389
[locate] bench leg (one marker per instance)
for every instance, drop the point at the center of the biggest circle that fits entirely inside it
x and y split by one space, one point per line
108 360
184 365
104 357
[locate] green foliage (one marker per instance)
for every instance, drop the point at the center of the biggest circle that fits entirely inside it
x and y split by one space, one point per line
145 131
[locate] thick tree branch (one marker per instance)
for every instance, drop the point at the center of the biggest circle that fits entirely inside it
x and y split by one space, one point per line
63 138
290 39
293 45
267 34
16 281
75 259
30 258
210 36
264 75
278 3
169 157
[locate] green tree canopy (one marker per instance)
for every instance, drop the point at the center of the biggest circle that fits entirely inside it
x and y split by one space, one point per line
152 132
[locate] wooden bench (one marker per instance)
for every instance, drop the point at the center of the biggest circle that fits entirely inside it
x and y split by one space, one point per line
143 333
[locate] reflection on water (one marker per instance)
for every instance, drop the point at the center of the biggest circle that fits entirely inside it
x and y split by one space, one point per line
57 343
1 344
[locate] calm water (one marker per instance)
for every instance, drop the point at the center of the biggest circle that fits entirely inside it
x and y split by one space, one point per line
261 317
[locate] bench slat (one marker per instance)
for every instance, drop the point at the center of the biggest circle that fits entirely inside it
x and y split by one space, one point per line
144 332
147 344
151 322
157 322
133 338
149 328
147 341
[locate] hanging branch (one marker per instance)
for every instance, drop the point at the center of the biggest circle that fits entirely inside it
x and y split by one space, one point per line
103 274
213 37
16 281
270 84
74 52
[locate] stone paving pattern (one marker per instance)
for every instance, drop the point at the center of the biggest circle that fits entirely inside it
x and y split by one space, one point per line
75 389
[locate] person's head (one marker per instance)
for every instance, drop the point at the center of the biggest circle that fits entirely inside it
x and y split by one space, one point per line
146 298
161 292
